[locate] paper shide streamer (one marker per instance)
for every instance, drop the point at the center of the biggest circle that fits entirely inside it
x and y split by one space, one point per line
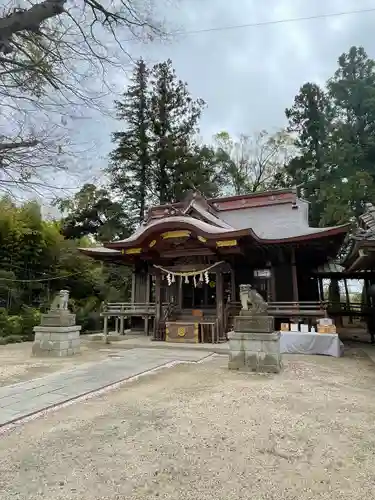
202 273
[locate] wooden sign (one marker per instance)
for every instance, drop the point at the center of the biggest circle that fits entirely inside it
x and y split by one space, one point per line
262 273
133 251
175 234
226 243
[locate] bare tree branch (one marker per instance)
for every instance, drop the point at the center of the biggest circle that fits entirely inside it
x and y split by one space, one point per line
255 160
27 20
54 66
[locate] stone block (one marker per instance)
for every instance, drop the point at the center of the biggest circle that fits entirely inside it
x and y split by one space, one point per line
271 346
59 336
73 335
236 360
58 318
60 344
42 336
56 341
235 344
252 345
254 323
254 351
251 361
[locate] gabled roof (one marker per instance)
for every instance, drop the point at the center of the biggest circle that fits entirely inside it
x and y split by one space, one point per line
330 267
368 218
360 242
273 217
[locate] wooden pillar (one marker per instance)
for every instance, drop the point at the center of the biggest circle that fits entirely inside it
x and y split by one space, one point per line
232 285
116 324
122 319
321 289
179 291
347 301
220 304
158 304
105 330
205 293
273 284
133 287
148 293
294 276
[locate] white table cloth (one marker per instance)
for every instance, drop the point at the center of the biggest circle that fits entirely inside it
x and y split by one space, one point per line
327 344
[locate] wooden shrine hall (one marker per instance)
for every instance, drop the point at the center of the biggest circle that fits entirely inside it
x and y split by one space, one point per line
189 258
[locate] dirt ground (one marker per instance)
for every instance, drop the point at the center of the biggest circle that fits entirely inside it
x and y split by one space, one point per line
17 364
202 432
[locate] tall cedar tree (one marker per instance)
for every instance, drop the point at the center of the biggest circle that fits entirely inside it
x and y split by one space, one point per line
130 166
174 123
335 131
352 91
310 119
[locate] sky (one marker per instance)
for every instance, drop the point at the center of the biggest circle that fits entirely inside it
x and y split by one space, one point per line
247 76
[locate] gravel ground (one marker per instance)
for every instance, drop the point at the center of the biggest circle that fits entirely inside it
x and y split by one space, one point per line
202 432
17 364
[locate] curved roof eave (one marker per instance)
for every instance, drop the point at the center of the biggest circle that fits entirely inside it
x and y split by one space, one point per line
100 252
214 232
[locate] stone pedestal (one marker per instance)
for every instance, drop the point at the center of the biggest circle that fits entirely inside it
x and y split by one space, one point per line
58 335
254 346
254 352
56 341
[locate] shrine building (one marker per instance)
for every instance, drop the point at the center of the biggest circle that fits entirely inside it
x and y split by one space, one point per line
189 258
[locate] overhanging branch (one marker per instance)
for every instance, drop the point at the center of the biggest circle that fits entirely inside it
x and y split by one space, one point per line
27 20
16 145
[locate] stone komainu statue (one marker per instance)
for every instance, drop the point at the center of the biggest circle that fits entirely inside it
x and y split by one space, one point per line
249 296
60 302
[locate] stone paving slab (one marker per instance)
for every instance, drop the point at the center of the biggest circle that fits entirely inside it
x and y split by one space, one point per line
26 398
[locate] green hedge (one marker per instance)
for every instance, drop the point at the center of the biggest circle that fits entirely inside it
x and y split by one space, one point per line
18 328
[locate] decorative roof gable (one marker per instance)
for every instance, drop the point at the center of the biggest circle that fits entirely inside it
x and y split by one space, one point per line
195 206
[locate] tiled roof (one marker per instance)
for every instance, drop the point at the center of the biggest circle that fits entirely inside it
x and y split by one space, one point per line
367 222
199 224
273 222
100 251
330 267
274 217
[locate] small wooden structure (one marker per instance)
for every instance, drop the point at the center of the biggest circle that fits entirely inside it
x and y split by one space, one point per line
359 261
359 246
189 258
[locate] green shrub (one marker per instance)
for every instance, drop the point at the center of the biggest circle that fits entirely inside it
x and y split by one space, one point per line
14 326
90 322
13 339
30 317
3 341
3 322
